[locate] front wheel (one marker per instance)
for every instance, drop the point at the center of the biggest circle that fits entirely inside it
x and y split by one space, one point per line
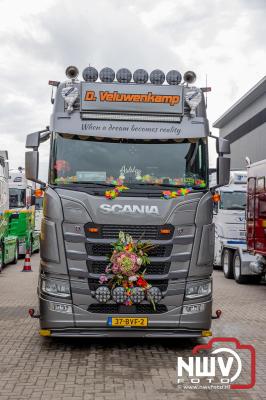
227 261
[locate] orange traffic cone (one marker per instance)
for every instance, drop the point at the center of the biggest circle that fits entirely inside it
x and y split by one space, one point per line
27 264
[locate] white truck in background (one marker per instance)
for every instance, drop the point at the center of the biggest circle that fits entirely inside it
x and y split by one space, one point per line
230 230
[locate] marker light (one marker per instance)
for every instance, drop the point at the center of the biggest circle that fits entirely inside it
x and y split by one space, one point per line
123 75
173 77
137 295
140 76
157 77
216 197
102 294
107 75
93 230
90 74
119 294
165 231
154 294
72 72
38 193
190 77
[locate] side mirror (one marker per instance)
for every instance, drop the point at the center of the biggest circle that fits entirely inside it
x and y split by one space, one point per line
223 171
32 165
222 146
33 140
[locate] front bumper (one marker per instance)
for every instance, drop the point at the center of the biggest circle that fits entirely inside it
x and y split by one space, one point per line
125 333
81 323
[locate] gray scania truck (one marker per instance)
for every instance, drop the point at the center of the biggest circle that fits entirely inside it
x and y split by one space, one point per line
153 137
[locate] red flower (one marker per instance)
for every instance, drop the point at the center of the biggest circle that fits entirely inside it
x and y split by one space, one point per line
141 282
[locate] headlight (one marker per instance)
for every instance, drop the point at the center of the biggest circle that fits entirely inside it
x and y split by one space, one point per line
154 294
137 295
102 294
56 288
119 294
199 289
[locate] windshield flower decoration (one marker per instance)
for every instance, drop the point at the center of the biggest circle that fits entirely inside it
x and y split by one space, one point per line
168 194
112 194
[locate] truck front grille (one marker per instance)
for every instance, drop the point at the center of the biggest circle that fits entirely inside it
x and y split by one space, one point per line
98 267
134 309
105 249
142 232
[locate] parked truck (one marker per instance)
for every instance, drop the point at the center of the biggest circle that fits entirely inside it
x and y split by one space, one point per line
8 242
230 229
127 158
256 216
22 212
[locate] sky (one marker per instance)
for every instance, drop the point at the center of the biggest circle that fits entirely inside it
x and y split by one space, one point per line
223 39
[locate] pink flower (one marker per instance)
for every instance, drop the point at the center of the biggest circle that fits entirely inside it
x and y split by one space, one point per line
103 278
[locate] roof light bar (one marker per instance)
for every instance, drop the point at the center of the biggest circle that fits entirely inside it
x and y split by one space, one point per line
130 117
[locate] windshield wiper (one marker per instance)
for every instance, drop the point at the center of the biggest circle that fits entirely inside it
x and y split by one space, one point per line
91 184
164 185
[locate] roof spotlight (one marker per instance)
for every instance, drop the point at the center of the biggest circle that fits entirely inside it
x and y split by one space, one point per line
140 76
173 77
107 75
72 72
90 74
157 77
190 77
123 75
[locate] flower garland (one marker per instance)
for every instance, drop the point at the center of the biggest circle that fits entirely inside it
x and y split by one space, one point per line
112 194
168 194
126 264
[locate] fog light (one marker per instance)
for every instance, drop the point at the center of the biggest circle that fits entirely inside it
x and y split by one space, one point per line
193 308
102 294
154 294
119 295
59 307
137 295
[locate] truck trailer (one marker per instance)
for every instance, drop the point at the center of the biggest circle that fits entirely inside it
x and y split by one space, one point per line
128 159
230 229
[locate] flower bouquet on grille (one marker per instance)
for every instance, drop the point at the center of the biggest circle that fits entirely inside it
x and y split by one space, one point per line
127 265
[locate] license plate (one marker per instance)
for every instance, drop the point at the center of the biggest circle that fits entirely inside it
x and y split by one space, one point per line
127 322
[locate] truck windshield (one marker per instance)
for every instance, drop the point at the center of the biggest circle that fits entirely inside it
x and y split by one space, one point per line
137 162
17 198
233 200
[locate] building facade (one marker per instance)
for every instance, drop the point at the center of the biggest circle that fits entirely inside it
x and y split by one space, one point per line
244 125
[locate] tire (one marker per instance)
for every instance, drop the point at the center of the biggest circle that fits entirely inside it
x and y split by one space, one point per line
227 263
239 278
